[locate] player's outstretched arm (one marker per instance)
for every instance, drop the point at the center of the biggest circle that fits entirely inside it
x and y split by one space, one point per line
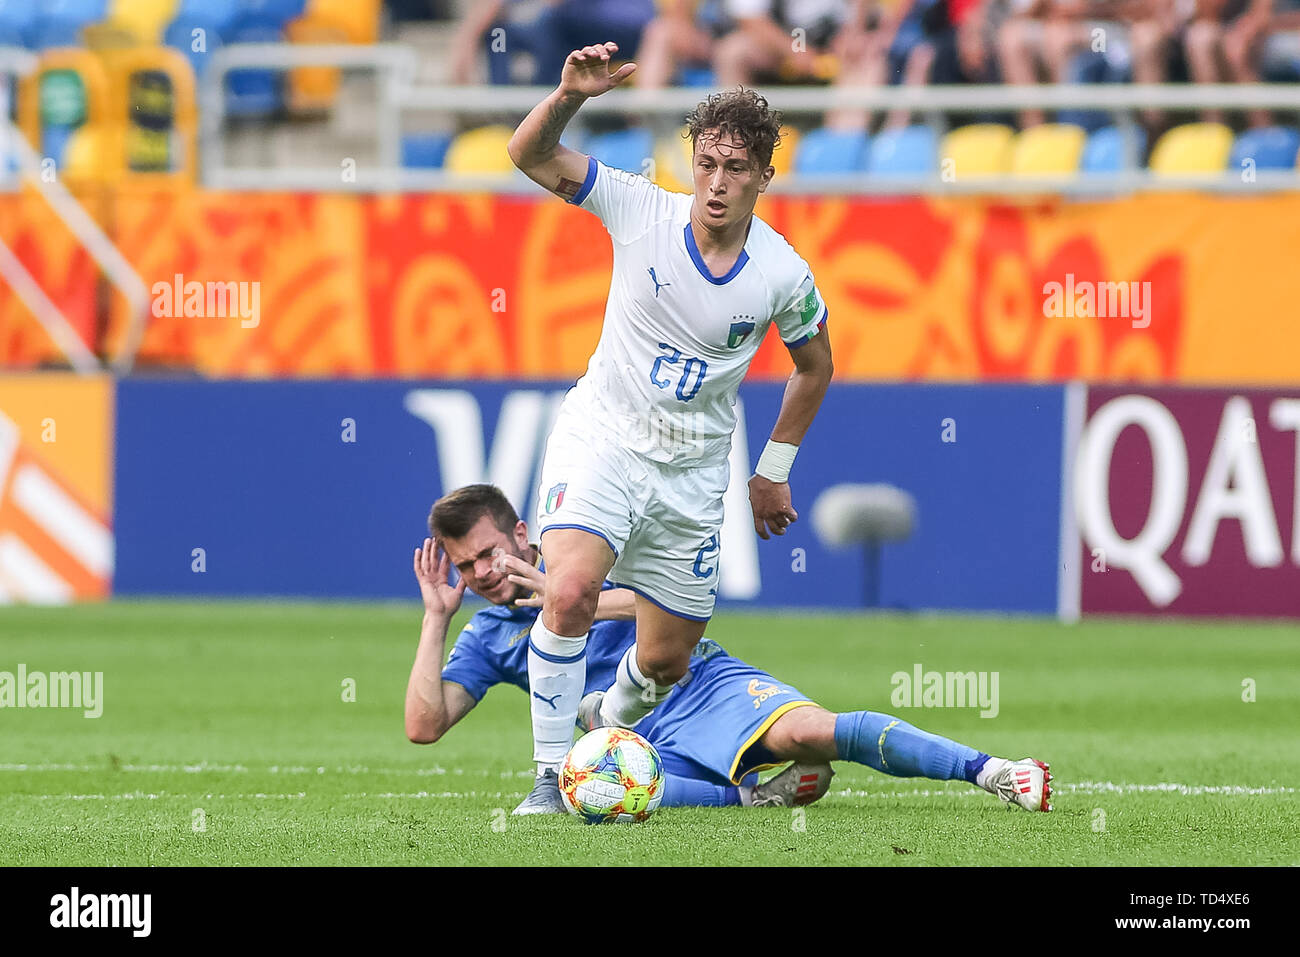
769 494
535 148
434 705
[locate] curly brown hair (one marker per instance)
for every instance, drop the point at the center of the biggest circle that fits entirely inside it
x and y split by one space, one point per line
739 114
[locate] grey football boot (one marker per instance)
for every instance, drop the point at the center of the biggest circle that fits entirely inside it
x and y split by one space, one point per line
544 798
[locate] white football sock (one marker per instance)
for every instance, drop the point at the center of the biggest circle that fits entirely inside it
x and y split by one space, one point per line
557 673
991 767
633 695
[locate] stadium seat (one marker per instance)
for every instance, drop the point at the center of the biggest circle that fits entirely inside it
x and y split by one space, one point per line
981 149
1192 149
425 150
145 19
49 34
1052 149
254 93
673 159
832 151
906 152
358 19
623 149
278 12
1104 150
221 13
180 37
698 76
17 19
1273 147
481 151
54 142
75 11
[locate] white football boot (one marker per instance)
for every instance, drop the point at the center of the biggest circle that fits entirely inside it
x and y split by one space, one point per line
1025 783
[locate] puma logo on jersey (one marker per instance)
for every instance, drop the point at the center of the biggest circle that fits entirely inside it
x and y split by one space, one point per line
658 285
550 700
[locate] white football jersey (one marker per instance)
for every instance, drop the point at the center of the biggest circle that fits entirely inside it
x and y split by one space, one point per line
677 340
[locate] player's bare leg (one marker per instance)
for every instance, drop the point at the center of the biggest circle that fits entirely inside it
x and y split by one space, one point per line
577 562
813 735
651 667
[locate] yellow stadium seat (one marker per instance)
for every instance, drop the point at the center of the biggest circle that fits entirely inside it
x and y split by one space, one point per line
982 149
84 157
146 19
480 151
1053 149
1191 149
783 155
359 19
673 159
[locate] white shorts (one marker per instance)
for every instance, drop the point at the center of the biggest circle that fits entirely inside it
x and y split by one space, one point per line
662 521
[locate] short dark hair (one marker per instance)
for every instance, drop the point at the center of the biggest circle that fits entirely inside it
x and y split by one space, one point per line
738 114
457 512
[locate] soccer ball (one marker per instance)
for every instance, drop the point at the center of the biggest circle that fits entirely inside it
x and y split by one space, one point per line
612 774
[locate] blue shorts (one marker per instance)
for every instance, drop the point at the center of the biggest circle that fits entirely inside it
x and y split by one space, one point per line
708 728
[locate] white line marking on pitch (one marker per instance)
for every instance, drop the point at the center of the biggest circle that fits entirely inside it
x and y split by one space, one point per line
206 768
1083 787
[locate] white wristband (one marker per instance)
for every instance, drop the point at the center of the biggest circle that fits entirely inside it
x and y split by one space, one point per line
774 464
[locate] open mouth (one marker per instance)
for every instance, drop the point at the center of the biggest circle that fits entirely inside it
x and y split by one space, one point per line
715 206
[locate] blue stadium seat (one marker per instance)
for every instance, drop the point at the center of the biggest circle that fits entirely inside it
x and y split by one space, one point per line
907 152
623 149
831 151
222 13
47 34
254 93
180 36
278 12
54 142
17 18
425 150
1089 67
1274 147
79 12
1104 151
697 76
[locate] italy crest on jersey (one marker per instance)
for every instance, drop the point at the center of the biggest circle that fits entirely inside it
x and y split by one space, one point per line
555 497
739 331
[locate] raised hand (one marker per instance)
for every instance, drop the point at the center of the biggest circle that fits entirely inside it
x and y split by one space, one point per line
586 71
433 572
522 573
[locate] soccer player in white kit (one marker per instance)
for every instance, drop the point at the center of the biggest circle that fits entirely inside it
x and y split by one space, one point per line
636 466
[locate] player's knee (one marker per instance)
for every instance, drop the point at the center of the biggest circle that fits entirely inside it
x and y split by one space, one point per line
663 666
573 602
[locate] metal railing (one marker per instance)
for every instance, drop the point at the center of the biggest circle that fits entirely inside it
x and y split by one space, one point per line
399 97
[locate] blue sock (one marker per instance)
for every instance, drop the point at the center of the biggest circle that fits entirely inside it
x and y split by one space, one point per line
895 747
688 792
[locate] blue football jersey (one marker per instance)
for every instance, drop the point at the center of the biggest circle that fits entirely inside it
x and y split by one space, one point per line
492 649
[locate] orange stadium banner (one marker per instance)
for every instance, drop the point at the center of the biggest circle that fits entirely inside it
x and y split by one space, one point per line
1147 288
56 494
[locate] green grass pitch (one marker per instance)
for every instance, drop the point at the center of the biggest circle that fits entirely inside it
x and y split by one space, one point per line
225 739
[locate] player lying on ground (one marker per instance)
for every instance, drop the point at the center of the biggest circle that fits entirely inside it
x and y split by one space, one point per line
724 720
636 464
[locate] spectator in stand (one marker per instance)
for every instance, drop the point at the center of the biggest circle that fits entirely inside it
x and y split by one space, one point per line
1213 41
561 27
684 34
1041 38
764 46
